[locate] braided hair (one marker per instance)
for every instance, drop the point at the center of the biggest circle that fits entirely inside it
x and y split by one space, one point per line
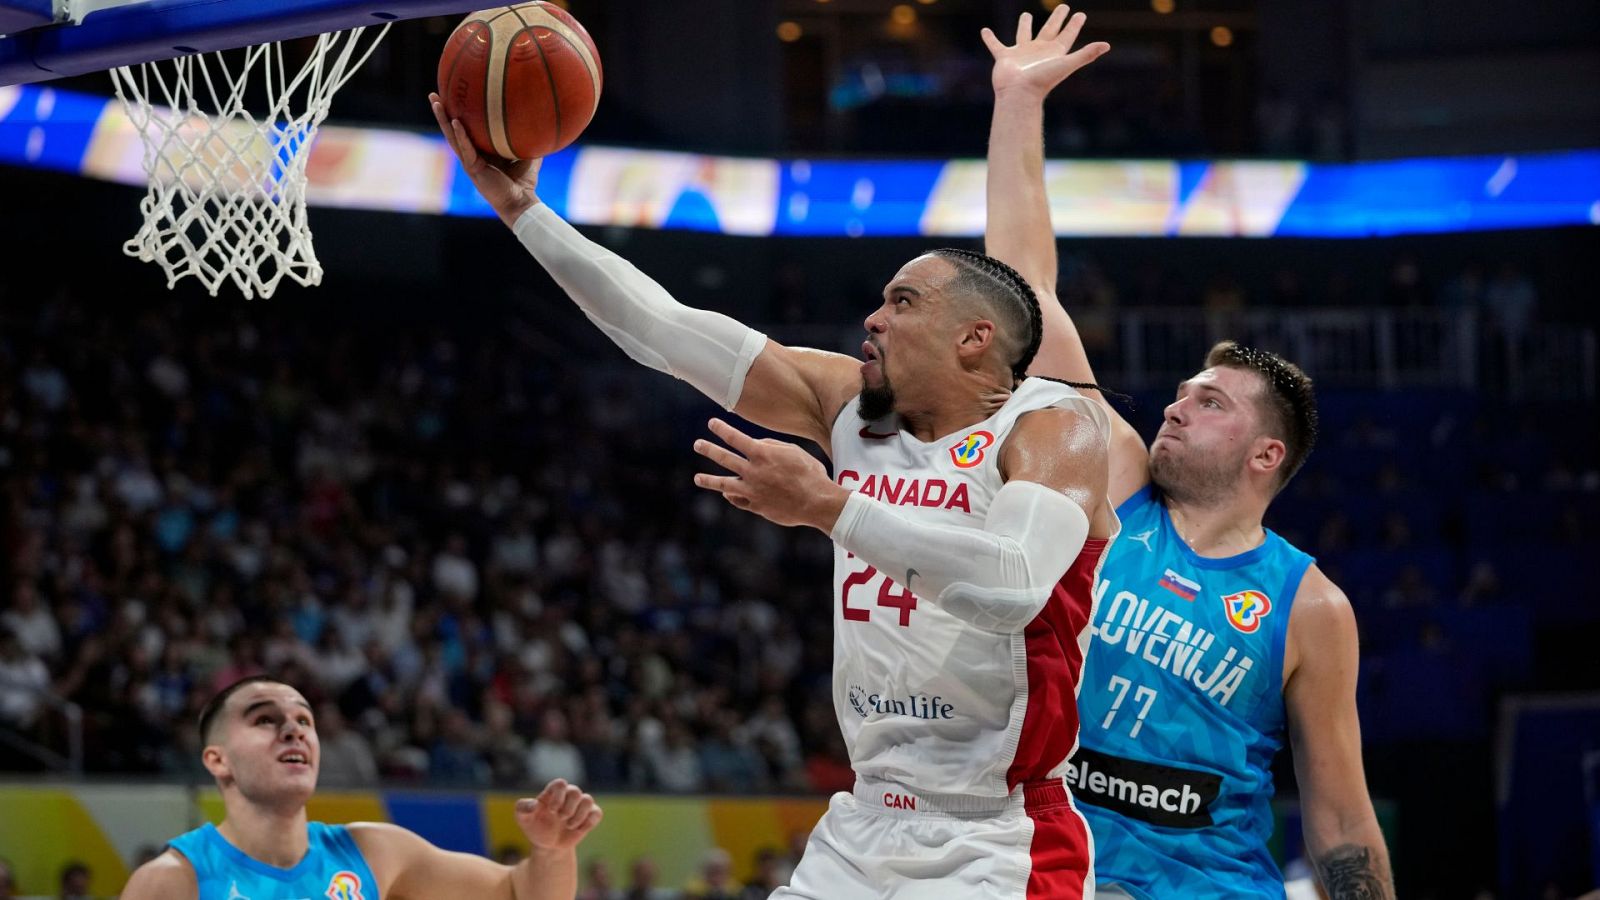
997 281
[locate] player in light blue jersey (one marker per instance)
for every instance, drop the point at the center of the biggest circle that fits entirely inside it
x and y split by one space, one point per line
261 746
1214 639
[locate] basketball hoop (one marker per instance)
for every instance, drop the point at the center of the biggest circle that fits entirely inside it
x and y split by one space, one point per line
227 195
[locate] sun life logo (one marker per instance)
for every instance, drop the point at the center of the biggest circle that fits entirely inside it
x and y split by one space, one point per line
344 886
968 452
1246 609
858 700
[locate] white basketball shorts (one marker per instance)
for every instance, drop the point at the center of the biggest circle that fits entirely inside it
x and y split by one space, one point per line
885 840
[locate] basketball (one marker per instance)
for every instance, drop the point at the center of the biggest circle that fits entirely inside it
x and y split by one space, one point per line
523 79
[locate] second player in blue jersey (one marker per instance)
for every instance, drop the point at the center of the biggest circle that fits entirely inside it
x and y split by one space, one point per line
1214 640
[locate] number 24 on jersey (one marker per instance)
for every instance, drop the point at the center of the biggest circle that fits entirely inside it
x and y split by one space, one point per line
890 596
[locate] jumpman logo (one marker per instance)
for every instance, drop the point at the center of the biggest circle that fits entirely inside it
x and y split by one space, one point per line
233 892
1143 537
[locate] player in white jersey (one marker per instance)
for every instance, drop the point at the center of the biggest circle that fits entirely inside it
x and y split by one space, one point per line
969 531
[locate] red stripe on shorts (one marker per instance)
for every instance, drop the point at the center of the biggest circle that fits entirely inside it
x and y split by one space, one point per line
1060 853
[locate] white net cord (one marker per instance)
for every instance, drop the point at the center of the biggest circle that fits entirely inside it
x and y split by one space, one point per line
227 195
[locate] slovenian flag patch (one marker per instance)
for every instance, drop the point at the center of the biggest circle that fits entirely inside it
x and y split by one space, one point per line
1180 585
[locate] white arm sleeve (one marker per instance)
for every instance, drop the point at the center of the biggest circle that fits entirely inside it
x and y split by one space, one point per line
706 349
996 577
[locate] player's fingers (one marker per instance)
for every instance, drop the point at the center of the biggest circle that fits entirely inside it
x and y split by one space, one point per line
1087 54
993 43
1024 27
551 795
580 811
570 798
1052 25
464 148
437 105
720 484
733 437
721 455
1069 35
590 820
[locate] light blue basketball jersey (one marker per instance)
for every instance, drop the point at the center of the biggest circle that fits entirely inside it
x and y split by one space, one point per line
1182 711
333 868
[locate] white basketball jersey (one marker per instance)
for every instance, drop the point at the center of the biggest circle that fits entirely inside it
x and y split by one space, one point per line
923 698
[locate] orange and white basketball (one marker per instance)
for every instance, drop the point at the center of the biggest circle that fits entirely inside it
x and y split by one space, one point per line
524 80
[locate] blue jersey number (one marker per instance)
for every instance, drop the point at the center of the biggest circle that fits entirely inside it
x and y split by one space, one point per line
1142 696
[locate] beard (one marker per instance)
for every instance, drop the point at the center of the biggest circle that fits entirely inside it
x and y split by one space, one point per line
1200 482
876 402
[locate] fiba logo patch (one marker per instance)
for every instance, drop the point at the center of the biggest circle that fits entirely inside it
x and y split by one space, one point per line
1246 609
858 699
969 451
344 886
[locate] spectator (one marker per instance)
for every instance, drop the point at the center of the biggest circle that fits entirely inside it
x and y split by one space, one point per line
730 765
828 768
598 884
715 881
642 882
673 765
454 757
770 874
772 726
347 759
8 881
31 622
503 748
552 755
75 877
454 574
24 680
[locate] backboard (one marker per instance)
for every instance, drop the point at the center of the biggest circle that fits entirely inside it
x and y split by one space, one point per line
45 39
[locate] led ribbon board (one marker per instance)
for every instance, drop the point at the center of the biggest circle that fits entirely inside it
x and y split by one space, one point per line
378 169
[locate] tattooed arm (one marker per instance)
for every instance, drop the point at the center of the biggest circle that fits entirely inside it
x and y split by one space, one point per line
1341 829
1349 872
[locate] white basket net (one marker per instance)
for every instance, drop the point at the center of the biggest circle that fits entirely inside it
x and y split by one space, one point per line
227 196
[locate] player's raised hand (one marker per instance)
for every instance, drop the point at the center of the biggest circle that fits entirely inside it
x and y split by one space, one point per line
508 185
559 817
773 479
1036 63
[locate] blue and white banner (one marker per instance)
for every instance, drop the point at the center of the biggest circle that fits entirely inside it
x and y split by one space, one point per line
370 168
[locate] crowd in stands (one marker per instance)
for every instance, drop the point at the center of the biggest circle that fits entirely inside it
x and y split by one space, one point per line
481 569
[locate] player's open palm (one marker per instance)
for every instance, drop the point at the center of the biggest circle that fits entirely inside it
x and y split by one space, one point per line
1039 62
773 479
559 817
507 185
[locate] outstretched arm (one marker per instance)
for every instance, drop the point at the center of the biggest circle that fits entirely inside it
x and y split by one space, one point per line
1019 232
1341 830
409 868
996 574
792 390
